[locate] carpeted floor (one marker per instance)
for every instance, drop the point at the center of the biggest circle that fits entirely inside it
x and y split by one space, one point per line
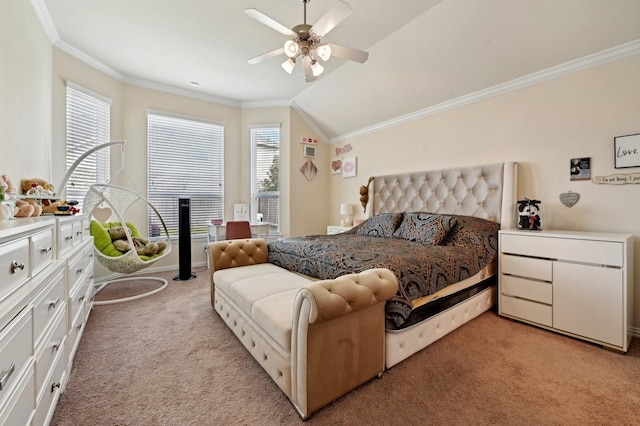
168 359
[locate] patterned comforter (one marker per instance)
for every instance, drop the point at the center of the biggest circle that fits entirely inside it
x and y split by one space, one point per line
421 269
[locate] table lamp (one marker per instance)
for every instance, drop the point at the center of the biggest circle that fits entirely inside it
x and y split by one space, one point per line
346 210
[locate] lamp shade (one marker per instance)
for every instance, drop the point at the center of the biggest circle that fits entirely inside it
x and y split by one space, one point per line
346 209
288 65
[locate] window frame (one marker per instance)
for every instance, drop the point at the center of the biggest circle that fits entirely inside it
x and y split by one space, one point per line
266 131
192 168
87 125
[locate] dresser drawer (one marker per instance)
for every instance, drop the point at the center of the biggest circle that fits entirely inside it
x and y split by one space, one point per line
526 310
78 232
14 265
46 405
16 348
42 250
526 289
539 269
73 338
50 350
77 267
19 409
594 251
76 301
48 304
65 238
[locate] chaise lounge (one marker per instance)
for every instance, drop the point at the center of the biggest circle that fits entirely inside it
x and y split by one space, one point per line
316 339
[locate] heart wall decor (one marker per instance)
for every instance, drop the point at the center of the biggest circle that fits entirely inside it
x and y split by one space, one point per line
569 199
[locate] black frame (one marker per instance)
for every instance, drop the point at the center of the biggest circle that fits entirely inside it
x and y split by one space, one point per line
625 146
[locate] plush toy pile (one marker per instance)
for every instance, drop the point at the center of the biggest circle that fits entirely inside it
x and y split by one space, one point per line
142 246
111 240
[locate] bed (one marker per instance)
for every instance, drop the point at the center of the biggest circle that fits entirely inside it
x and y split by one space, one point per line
437 231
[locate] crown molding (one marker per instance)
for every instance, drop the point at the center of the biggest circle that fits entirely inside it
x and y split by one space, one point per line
606 56
266 104
308 121
45 20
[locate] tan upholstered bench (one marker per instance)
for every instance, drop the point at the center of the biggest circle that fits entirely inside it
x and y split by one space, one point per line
316 339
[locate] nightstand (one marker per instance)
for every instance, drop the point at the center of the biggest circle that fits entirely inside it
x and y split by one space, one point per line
336 229
575 283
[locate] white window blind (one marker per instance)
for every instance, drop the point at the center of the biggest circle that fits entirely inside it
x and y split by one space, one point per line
185 160
265 175
88 120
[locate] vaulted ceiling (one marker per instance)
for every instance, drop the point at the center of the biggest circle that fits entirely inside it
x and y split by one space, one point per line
422 53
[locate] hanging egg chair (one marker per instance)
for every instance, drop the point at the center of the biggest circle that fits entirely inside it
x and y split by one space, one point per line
109 207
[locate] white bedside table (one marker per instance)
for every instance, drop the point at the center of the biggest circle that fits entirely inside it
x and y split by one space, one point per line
575 283
336 229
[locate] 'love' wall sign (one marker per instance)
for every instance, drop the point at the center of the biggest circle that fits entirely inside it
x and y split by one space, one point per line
627 151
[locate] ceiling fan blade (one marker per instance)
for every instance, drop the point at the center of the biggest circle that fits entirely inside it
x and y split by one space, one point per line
308 72
267 55
349 53
333 17
261 17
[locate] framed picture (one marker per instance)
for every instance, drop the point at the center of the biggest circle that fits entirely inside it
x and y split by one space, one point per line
627 151
336 166
349 167
580 169
309 151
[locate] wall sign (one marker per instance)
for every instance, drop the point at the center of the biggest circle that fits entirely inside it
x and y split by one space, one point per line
617 179
627 151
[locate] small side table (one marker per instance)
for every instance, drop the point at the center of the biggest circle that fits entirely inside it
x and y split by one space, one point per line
336 229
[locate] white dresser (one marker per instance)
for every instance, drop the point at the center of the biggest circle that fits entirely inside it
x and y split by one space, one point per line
575 283
37 340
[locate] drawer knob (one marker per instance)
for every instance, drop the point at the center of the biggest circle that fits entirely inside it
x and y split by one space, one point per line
45 250
5 376
69 238
80 299
54 386
54 303
15 265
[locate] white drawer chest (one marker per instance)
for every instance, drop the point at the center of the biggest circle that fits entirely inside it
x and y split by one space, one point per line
575 283
46 284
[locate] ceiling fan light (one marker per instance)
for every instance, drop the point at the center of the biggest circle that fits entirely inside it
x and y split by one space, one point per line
324 52
316 68
291 48
288 65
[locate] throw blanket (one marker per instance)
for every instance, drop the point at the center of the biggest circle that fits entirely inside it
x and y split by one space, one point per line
421 269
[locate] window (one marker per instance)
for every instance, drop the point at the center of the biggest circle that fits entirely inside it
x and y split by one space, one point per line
265 175
186 160
88 120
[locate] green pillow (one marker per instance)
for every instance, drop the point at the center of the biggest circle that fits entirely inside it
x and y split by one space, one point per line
102 240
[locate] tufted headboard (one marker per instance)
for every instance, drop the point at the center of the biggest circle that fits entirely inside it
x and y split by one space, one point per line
486 191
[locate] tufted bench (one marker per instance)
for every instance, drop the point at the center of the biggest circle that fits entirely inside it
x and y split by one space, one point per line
316 339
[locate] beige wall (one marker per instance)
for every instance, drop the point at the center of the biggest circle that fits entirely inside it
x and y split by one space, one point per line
25 93
541 127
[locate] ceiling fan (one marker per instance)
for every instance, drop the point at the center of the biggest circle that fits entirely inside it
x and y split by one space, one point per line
304 43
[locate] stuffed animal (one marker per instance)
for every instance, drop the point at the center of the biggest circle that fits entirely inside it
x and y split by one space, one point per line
37 187
7 184
5 212
142 246
529 214
22 208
